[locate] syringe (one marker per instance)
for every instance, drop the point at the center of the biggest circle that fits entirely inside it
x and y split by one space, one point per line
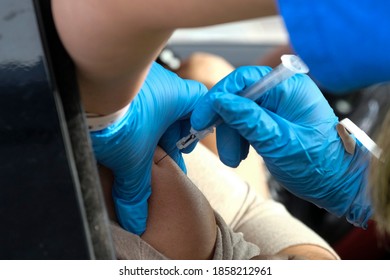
291 65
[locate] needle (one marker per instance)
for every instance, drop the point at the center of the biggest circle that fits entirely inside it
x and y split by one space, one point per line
167 154
290 66
161 158
191 138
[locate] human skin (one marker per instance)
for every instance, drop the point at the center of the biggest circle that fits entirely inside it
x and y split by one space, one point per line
113 42
206 68
181 223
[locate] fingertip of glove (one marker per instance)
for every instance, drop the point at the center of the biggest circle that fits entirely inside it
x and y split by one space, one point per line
190 148
133 226
197 122
230 162
132 215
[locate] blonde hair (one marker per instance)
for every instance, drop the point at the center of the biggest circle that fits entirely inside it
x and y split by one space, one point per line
380 179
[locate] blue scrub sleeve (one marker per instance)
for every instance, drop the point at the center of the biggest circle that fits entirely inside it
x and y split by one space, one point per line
346 44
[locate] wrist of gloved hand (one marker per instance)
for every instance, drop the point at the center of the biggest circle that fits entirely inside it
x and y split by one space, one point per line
354 180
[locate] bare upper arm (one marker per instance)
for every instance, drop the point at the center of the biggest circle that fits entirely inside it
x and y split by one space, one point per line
113 42
181 223
111 54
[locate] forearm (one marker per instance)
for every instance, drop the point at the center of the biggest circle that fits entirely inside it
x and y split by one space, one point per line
308 252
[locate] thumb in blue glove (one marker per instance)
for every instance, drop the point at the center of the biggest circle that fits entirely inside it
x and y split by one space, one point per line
294 129
159 111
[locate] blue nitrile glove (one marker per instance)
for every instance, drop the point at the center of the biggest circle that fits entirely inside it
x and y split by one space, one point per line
161 107
294 130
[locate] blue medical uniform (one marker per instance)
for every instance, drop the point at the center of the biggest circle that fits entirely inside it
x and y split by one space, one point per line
346 44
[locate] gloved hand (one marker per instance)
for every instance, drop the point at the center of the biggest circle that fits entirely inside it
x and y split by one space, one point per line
160 110
294 129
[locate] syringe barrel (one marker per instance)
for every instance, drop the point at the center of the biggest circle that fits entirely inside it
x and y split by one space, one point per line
290 66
